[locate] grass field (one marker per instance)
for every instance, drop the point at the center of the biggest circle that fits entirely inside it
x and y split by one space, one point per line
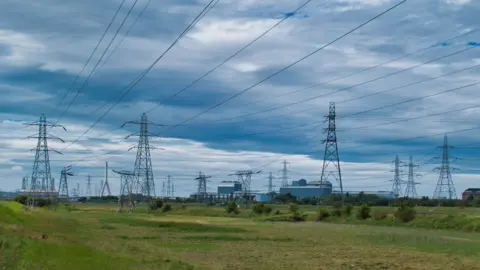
96 237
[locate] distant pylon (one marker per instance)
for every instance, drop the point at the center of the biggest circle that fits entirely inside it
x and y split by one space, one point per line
245 177
24 183
411 190
270 182
63 186
285 173
164 191
331 156
397 180
41 173
89 186
127 183
173 190
105 184
445 188
52 185
202 186
143 163
169 186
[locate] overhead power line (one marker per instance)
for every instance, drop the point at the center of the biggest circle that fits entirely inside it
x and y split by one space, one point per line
130 86
229 58
85 83
287 67
89 58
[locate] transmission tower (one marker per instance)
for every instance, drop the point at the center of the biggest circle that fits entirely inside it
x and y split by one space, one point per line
245 177
285 173
202 186
24 183
331 161
63 186
164 191
270 183
169 186
52 185
143 163
173 190
411 190
41 173
445 188
127 184
89 186
105 184
397 180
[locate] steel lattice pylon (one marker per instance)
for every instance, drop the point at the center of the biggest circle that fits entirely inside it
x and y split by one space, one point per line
202 186
41 179
63 186
143 162
445 188
127 185
245 177
411 190
105 184
331 157
397 180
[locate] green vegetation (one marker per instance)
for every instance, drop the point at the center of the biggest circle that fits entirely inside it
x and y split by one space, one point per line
95 236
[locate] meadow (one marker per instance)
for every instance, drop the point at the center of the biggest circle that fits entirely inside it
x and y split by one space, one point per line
95 236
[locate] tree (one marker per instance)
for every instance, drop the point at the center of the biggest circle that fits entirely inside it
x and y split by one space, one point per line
232 208
405 213
363 212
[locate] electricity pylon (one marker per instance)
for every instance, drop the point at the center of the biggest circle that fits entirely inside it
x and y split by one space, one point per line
24 183
411 190
445 188
331 157
164 192
41 173
89 186
169 186
105 184
202 186
245 177
270 182
63 186
284 171
143 163
397 180
127 184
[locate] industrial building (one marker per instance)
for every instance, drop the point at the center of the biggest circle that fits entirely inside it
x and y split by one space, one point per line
228 188
474 192
380 194
303 189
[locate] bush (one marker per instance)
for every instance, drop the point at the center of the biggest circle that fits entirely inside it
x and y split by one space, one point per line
363 212
232 208
337 210
167 208
156 204
20 199
277 212
347 210
261 208
379 214
405 213
323 214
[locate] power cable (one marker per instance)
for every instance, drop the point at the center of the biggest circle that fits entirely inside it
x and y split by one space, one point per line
98 62
89 58
140 77
344 89
228 59
287 67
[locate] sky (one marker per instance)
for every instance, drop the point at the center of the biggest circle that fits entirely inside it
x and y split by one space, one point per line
399 83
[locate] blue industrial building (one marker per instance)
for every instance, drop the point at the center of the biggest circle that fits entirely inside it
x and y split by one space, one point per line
301 189
228 188
262 197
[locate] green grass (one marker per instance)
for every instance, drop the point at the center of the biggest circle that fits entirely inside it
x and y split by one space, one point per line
96 237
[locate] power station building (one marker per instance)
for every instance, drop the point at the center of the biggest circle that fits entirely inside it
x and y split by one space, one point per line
228 188
303 189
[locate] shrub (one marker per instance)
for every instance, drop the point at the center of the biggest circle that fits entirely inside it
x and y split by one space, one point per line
323 214
294 213
261 208
379 214
405 213
167 208
20 199
232 208
363 212
258 208
277 212
337 210
156 204
347 210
